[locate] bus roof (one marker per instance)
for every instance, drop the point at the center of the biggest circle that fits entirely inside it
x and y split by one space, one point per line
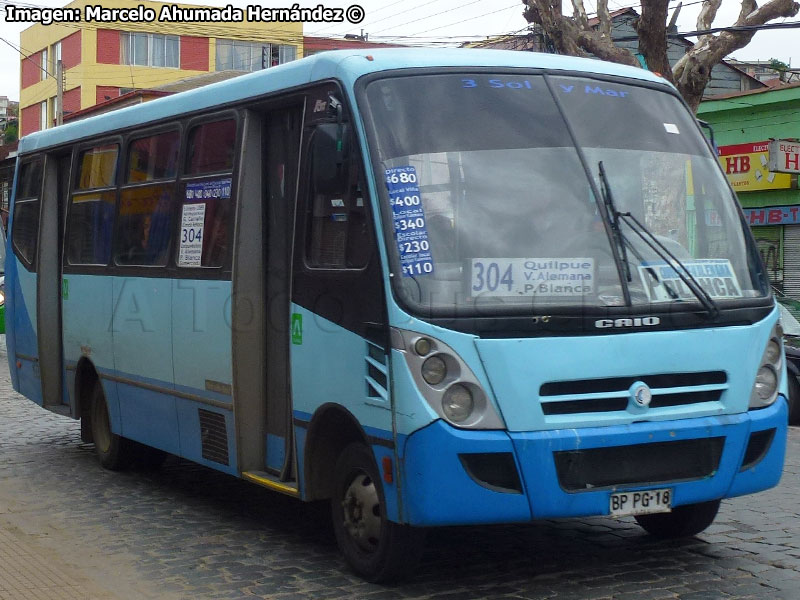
344 65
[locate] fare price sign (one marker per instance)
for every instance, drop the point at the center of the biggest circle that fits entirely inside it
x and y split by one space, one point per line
408 215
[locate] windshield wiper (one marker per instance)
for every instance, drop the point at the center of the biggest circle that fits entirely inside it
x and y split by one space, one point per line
649 238
613 222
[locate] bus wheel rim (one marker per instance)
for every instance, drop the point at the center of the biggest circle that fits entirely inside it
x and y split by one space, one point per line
362 513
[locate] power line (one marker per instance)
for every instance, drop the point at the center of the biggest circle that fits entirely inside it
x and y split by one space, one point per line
433 15
515 5
785 25
366 24
196 28
29 56
373 12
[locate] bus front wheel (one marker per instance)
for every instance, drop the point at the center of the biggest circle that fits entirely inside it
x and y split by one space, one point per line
113 450
683 521
375 548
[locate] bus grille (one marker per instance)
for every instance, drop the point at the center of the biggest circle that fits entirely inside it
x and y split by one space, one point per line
213 436
638 464
611 394
377 373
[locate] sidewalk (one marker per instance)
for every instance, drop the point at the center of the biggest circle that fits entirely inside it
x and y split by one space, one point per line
29 572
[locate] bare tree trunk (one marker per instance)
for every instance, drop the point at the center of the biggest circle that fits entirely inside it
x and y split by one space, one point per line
652 30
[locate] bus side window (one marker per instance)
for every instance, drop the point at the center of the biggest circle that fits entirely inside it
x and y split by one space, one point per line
145 211
92 207
210 148
26 211
206 209
337 233
144 225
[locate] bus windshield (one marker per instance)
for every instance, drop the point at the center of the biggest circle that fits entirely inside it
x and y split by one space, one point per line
494 197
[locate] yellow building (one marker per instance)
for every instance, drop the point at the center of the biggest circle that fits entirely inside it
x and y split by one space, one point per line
123 45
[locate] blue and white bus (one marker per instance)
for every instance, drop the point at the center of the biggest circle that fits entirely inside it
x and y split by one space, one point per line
433 287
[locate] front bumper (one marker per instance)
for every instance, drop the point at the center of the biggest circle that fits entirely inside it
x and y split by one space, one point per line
448 477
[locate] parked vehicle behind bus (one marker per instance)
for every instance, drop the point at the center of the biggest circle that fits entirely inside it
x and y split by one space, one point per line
433 287
790 310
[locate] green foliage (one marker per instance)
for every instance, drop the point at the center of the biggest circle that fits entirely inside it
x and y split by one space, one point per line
778 65
11 134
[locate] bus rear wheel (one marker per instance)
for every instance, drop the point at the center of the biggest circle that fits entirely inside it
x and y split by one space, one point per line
683 521
377 549
114 451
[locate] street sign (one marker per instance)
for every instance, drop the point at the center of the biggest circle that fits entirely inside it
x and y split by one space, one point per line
747 168
784 156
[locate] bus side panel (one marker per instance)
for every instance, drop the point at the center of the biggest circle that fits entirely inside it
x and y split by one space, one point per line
343 377
23 325
201 352
317 341
86 307
149 417
142 325
300 432
201 337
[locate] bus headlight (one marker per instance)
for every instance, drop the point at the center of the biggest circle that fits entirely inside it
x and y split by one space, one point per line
2 298
773 353
423 346
446 382
766 383
768 377
434 370
457 403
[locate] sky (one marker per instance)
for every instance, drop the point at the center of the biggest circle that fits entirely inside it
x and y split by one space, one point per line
430 22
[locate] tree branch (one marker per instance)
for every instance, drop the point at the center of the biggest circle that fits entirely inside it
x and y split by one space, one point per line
569 37
574 36
605 18
693 71
748 6
580 14
707 14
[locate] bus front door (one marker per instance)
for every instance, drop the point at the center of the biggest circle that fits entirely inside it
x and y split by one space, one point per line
261 278
48 301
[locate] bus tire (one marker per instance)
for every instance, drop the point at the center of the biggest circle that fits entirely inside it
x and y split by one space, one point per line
375 548
112 450
146 458
683 521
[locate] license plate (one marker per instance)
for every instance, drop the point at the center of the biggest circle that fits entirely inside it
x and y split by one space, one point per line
640 503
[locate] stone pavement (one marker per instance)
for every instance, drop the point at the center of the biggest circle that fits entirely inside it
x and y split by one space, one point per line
69 529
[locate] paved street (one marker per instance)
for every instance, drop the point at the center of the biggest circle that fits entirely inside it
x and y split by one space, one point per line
188 532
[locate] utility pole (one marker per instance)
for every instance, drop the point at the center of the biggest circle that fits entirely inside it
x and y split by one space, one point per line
59 93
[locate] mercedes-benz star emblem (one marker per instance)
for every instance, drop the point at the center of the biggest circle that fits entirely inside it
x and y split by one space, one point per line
642 396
